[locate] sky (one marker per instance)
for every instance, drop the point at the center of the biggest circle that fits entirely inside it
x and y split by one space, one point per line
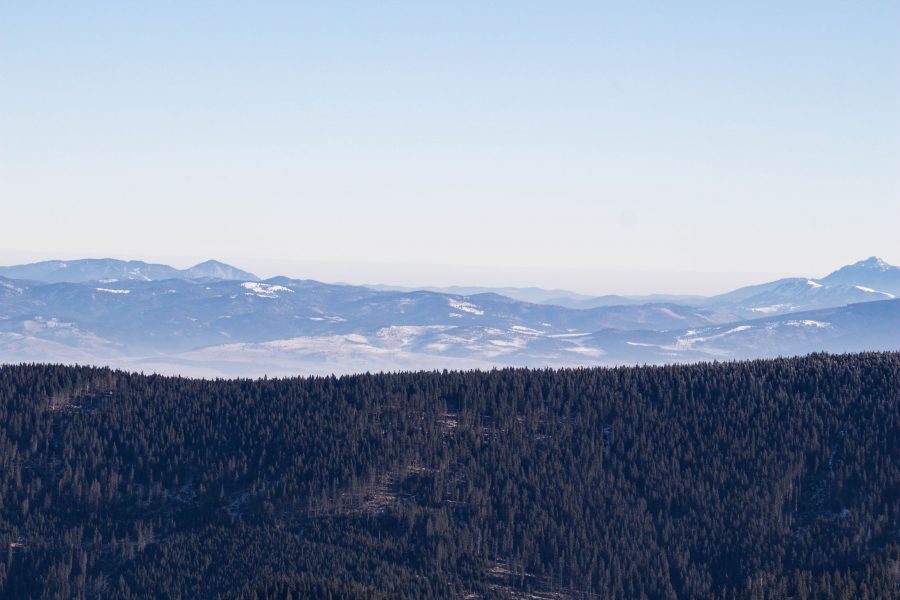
681 147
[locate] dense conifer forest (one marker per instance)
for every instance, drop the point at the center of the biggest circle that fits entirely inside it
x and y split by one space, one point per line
762 479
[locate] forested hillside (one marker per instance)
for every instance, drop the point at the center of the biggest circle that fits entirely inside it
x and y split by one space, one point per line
764 479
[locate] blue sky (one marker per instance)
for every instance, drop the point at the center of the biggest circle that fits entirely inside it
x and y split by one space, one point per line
603 147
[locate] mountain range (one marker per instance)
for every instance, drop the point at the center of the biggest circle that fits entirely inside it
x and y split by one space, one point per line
108 269
217 320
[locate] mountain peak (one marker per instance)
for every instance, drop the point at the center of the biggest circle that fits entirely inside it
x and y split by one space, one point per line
873 262
871 273
214 269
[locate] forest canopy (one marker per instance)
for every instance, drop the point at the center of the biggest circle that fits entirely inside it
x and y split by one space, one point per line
761 479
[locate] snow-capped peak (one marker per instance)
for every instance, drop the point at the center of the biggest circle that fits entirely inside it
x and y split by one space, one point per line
874 263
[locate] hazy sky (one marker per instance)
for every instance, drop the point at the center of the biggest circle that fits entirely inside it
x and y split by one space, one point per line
598 146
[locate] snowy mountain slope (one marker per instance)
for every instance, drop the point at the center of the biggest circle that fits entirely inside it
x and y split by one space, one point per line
791 295
852 328
857 327
210 325
177 315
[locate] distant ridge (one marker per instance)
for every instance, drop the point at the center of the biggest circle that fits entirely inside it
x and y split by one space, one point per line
852 282
865 280
110 269
213 269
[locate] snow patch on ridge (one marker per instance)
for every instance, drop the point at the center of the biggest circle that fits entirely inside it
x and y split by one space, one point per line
264 290
686 343
808 323
10 286
401 335
869 290
771 309
526 330
464 306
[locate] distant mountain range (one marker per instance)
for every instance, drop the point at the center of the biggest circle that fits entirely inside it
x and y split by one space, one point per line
108 269
214 319
542 296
